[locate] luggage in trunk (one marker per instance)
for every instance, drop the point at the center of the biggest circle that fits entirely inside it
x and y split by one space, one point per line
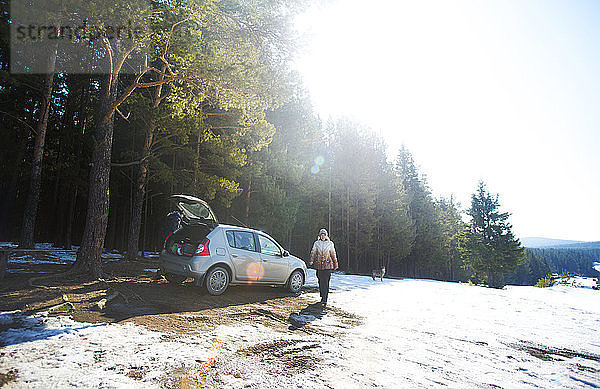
197 221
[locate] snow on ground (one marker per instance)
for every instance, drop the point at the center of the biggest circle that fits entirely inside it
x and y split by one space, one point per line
583 282
414 333
56 257
418 333
342 282
58 352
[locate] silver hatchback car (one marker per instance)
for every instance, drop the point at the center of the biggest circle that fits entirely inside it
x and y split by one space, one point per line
218 255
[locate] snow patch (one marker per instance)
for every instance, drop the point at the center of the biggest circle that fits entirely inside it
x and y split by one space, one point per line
346 282
112 256
421 332
58 352
56 257
25 271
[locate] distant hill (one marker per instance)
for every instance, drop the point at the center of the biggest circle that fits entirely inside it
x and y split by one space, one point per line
580 245
536 242
546 256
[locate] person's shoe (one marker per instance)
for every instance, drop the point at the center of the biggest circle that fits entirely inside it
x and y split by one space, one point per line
324 304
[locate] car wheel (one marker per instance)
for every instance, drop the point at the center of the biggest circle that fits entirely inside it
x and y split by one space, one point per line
217 280
295 282
175 278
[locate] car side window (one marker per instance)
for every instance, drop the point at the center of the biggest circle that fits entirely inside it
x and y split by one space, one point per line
267 246
230 238
241 240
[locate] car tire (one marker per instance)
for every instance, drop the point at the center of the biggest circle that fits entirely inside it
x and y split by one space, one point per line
217 280
175 278
295 282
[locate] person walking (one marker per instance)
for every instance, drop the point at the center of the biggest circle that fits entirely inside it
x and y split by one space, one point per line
324 259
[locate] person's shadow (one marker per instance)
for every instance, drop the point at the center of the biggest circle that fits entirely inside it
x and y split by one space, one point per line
306 316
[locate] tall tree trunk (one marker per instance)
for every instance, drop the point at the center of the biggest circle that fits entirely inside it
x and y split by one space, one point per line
69 220
111 230
142 180
173 172
197 158
31 206
248 192
415 274
60 220
348 226
121 241
63 186
145 236
342 239
7 209
387 264
138 196
329 201
89 258
78 146
356 260
57 181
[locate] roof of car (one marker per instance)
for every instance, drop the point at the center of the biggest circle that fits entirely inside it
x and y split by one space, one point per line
232 226
229 226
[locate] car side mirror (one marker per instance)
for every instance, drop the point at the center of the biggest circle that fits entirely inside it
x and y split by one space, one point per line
285 253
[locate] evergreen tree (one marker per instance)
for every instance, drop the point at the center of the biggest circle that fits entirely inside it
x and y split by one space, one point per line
219 61
488 247
427 246
451 225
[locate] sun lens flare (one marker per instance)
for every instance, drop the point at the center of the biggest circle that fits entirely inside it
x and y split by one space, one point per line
255 271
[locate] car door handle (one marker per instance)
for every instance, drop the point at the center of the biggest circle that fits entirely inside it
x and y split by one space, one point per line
234 255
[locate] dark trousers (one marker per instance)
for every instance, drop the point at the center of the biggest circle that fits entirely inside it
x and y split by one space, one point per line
324 276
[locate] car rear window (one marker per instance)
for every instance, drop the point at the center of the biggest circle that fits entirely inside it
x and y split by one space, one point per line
196 210
241 240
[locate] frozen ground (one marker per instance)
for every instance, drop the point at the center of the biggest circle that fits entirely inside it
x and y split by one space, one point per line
411 333
39 258
419 333
58 352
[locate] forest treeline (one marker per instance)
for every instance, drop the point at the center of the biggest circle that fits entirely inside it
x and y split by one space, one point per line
217 112
540 262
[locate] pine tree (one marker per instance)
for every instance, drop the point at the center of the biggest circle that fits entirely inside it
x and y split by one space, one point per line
488 247
215 57
451 225
427 246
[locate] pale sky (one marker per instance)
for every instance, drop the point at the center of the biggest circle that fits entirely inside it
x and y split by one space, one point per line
504 91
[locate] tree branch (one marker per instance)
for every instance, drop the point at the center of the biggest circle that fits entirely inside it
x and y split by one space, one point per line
126 164
123 116
22 121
